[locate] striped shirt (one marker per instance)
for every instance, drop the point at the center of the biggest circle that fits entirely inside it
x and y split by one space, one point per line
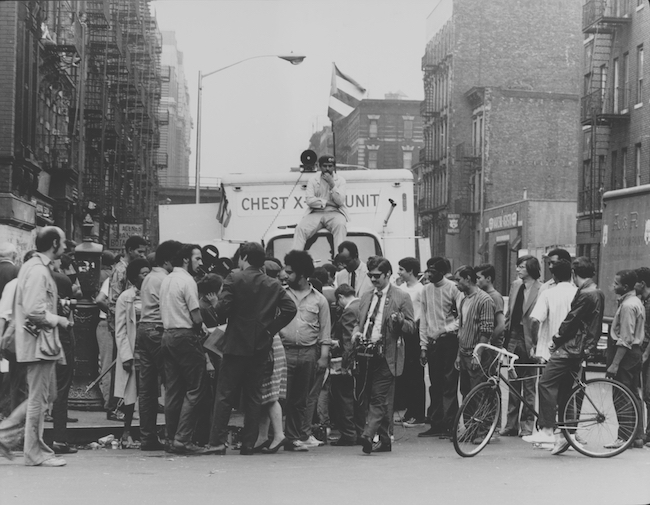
438 304
475 319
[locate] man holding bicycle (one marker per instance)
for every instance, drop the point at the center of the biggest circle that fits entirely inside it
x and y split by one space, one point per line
576 339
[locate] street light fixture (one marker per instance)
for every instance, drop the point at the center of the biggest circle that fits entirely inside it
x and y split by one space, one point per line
294 59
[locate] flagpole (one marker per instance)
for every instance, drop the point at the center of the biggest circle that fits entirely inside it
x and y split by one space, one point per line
333 139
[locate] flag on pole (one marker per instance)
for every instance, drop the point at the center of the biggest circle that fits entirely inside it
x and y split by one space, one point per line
345 95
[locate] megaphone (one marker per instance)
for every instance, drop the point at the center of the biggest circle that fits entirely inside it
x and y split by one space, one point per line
308 159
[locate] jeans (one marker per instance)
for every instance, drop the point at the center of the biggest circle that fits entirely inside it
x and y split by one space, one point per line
247 373
152 365
629 374
313 399
555 387
184 382
444 381
64 374
41 382
301 367
525 386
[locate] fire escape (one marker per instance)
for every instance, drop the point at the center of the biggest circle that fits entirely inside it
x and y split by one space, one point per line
434 189
606 101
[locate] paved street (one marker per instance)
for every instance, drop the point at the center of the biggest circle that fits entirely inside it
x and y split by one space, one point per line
417 471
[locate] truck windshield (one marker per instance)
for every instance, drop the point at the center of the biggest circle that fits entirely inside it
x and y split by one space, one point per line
321 249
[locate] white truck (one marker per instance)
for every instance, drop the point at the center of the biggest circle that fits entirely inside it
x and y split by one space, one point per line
267 207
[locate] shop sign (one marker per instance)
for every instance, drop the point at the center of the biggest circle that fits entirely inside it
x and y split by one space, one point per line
453 224
502 222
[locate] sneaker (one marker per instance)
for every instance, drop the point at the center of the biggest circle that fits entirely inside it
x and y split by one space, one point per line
413 423
312 441
539 438
637 444
53 462
560 446
619 442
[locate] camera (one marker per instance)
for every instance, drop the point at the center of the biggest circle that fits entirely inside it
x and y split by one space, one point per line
367 349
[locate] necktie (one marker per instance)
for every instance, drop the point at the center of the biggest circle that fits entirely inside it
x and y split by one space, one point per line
517 309
375 311
353 279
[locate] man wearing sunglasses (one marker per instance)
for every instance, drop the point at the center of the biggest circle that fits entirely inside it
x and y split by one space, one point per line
385 314
326 206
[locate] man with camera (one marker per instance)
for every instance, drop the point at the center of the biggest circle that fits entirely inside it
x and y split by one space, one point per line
37 339
326 206
385 314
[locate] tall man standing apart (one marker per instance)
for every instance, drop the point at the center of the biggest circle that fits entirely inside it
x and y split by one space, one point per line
149 344
325 200
642 288
36 306
385 315
523 296
183 350
306 341
256 308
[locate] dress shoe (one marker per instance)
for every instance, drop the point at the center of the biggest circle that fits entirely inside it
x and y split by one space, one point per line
293 445
272 449
263 445
366 445
509 433
63 448
53 462
217 450
71 420
247 451
525 433
152 446
434 431
382 446
344 442
115 415
189 449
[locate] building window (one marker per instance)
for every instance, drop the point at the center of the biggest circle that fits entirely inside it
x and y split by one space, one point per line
372 130
617 84
477 135
624 166
637 165
625 70
372 159
407 159
639 73
614 182
408 128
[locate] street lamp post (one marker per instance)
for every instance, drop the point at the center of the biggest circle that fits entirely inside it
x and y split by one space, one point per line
294 59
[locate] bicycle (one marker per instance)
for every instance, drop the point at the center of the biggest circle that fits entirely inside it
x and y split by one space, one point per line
597 413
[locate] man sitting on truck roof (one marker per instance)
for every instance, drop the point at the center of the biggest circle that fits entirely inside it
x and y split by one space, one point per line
326 206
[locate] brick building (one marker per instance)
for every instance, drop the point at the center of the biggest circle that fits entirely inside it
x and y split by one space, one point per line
497 176
380 134
79 94
615 141
175 118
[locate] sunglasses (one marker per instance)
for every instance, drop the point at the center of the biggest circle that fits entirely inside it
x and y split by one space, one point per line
327 165
374 276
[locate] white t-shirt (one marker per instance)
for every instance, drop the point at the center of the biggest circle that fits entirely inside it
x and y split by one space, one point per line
552 307
7 300
415 292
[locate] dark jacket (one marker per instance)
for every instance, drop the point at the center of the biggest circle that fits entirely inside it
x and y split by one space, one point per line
256 307
8 272
396 301
581 329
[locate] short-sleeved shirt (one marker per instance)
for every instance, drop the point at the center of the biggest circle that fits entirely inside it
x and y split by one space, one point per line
150 294
551 308
179 296
311 324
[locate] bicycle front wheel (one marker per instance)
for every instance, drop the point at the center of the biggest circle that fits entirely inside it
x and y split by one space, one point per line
601 418
476 420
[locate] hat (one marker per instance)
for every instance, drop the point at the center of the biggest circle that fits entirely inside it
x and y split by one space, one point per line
328 158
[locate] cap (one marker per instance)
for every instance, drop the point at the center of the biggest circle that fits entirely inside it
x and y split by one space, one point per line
328 158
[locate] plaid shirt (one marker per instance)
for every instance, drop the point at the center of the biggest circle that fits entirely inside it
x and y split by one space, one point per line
475 319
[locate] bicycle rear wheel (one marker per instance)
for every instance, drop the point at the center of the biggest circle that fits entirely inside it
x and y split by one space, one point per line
476 420
601 419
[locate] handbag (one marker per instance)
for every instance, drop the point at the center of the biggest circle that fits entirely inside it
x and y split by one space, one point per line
47 345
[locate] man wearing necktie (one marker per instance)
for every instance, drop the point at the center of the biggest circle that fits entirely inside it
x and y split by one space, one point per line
523 296
385 314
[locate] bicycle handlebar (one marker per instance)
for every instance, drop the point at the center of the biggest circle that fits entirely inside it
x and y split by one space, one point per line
511 357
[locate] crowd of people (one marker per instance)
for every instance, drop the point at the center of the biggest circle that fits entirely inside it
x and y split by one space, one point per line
301 351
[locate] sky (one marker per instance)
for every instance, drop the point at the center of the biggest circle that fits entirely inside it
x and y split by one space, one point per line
259 115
